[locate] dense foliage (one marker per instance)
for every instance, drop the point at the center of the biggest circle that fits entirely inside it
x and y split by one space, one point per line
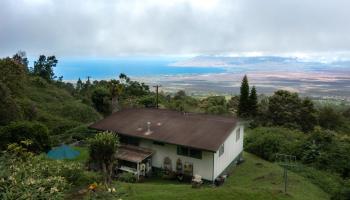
320 149
16 132
28 99
102 149
24 176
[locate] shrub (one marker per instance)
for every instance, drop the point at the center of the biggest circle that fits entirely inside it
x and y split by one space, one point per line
24 130
34 178
127 177
324 150
9 110
78 112
88 177
39 82
80 132
266 142
102 150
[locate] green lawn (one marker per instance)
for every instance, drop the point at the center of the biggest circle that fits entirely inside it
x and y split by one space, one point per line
254 179
84 154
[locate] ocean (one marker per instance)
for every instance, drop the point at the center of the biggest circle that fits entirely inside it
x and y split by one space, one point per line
72 69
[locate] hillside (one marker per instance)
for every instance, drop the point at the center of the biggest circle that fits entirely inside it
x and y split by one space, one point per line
254 179
54 106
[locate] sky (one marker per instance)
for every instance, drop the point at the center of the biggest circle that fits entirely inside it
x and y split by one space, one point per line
110 28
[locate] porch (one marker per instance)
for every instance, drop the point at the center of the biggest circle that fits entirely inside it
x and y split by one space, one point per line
134 159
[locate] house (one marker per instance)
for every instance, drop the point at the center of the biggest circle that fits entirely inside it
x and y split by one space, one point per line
175 141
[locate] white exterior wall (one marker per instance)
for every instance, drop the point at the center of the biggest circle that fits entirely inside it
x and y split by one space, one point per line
203 167
232 149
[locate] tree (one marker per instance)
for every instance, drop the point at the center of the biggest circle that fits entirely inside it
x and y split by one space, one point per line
287 109
115 89
12 75
253 102
307 117
233 103
214 105
102 101
124 78
9 110
243 107
79 85
44 67
103 149
147 101
21 58
329 118
180 95
284 108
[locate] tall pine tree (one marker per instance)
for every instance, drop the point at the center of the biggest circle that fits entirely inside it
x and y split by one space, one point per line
243 107
79 85
253 102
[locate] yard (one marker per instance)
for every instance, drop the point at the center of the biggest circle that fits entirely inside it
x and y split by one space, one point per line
254 179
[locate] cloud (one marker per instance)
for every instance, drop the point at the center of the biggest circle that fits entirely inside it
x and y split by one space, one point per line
107 28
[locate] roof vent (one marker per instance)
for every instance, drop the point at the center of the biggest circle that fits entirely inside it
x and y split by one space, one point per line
148 132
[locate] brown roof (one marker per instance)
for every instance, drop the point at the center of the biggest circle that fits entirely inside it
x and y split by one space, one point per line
201 131
133 153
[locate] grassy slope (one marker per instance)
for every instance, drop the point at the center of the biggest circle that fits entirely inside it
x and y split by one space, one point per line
56 107
248 181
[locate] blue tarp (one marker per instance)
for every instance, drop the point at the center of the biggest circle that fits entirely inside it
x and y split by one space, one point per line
63 152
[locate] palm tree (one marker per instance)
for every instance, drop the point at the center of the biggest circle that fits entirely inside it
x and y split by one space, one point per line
115 89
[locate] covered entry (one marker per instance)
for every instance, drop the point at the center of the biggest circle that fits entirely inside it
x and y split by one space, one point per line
134 159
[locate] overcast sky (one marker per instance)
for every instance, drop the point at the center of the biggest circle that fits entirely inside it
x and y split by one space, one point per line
108 28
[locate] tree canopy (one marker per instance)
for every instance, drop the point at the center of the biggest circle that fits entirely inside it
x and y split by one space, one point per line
44 67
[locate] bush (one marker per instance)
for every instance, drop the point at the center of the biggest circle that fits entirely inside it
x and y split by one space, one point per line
34 178
39 82
88 177
80 132
57 125
266 142
77 112
29 109
324 150
24 130
127 177
9 110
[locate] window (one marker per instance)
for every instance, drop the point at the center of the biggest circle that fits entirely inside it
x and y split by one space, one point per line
183 151
221 150
195 153
238 134
190 152
129 140
158 143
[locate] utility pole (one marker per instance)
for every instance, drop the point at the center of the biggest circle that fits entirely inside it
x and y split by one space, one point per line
157 87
